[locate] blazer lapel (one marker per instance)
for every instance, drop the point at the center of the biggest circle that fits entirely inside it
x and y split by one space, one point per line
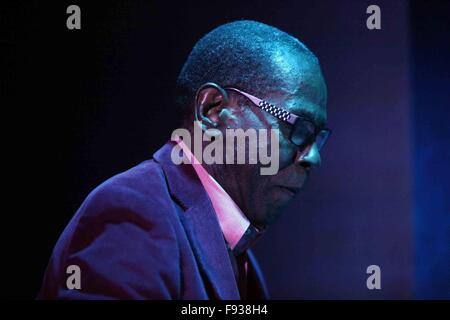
201 224
256 289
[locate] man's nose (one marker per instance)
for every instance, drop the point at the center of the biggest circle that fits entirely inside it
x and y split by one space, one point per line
310 157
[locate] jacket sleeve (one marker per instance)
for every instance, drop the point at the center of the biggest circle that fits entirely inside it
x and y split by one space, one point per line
125 248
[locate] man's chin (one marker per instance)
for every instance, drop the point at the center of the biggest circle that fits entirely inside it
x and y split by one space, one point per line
267 212
275 210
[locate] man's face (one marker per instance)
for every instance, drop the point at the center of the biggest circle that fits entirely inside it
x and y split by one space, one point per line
263 197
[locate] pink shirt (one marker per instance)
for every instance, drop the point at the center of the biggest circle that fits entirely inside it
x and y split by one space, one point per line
231 219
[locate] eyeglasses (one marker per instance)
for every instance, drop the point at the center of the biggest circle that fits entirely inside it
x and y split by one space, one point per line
304 132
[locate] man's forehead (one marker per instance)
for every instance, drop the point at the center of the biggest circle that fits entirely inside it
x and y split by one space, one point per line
301 84
313 112
307 97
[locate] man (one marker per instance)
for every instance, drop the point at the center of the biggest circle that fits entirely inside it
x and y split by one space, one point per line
182 231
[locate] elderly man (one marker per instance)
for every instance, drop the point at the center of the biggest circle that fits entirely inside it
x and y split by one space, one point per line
183 231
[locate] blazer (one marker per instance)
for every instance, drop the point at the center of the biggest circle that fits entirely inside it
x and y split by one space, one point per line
148 233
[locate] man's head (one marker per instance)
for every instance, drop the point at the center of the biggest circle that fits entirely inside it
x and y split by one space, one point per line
271 65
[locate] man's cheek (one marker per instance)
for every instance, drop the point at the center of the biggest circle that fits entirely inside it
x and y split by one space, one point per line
287 155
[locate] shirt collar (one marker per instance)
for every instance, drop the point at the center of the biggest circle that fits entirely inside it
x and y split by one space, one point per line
236 228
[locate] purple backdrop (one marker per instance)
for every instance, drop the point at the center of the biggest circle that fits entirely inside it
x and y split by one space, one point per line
356 210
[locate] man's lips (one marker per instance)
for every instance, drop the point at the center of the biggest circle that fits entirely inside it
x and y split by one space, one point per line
291 182
291 189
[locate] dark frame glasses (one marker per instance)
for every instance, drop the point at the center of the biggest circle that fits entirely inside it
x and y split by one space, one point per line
304 132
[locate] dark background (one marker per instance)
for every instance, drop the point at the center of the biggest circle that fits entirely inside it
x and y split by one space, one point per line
82 105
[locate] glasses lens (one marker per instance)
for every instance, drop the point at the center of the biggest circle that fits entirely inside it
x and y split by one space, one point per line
322 138
303 133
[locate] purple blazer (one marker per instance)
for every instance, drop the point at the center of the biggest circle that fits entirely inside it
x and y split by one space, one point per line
148 233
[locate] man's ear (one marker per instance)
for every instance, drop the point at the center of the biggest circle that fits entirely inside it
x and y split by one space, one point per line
209 102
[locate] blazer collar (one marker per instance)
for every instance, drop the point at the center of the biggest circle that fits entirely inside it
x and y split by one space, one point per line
200 222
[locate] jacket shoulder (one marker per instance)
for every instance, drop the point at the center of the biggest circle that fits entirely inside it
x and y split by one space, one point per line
138 196
144 183
121 237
